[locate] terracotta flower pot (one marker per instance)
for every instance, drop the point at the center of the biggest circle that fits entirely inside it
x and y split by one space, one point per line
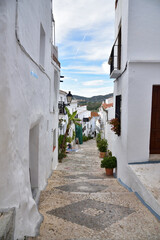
109 171
102 154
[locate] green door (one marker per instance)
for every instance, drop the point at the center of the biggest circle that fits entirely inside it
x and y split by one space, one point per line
79 133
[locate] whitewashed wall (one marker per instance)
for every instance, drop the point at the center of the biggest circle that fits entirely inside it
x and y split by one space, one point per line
63 98
84 113
25 100
140 50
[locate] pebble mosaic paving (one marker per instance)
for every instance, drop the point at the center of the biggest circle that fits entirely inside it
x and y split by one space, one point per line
92 214
85 187
81 203
84 176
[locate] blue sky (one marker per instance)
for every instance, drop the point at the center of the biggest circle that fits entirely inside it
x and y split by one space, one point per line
84 36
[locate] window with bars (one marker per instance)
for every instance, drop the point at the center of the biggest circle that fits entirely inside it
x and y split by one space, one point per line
118 107
115 57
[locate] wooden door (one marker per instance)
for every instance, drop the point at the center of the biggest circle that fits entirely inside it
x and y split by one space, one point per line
155 121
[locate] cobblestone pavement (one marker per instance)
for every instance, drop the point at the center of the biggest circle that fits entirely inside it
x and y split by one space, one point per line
81 203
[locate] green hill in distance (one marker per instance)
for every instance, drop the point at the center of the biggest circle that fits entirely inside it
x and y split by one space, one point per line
93 103
98 98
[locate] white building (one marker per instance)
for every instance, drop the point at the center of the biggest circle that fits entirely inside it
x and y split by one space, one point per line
63 117
135 65
84 115
94 117
29 88
106 113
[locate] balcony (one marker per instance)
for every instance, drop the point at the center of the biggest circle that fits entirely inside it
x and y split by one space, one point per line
115 58
85 119
54 54
61 107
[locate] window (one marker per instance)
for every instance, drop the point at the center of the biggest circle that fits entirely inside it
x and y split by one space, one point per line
115 57
118 107
119 50
116 2
107 116
56 89
42 46
116 122
54 139
85 119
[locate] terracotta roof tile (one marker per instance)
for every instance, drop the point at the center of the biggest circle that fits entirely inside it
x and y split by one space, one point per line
94 114
105 105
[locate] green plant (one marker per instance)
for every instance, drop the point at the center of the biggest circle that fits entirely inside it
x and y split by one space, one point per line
85 138
115 126
98 138
73 136
71 119
109 153
60 141
109 162
102 145
61 156
90 137
68 139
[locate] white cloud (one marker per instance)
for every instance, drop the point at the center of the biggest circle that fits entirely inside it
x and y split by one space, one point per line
81 14
92 18
70 78
80 69
94 83
84 34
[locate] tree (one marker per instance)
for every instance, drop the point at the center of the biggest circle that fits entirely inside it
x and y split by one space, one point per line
71 119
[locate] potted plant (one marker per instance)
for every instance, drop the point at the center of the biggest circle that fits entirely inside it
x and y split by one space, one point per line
109 163
102 147
116 127
98 138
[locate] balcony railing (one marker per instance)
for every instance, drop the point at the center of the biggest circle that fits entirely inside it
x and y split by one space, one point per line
115 58
85 119
54 54
61 107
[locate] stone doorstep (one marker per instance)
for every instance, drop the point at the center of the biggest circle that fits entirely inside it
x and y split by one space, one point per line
7 220
142 191
154 157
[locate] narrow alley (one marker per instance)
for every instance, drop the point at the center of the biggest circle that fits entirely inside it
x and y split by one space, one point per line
81 203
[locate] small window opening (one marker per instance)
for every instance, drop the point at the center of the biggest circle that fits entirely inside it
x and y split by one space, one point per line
54 139
42 46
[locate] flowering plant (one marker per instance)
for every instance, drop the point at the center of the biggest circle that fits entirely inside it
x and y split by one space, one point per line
115 126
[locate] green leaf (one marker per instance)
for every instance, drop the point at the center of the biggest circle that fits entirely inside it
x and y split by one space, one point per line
68 112
74 114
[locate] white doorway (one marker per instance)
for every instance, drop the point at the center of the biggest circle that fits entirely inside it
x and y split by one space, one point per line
33 158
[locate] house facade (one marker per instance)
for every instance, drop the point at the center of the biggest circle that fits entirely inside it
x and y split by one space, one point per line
63 118
135 66
84 115
106 113
94 117
29 91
